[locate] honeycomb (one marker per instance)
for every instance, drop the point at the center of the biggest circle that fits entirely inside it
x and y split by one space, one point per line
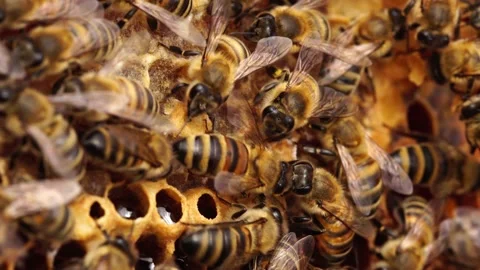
153 215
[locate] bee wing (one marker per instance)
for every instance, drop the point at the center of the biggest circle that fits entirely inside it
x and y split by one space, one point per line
65 9
357 190
227 183
267 52
334 104
310 4
32 197
95 39
292 254
115 104
57 161
218 24
393 176
338 66
308 57
180 26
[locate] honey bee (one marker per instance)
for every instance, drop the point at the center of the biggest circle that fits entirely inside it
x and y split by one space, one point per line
30 113
17 14
252 232
116 253
48 50
411 249
457 64
459 237
440 166
366 165
209 79
434 21
296 22
37 209
470 14
130 150
469 114
290 101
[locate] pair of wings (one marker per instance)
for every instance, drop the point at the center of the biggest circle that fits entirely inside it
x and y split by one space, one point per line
393 176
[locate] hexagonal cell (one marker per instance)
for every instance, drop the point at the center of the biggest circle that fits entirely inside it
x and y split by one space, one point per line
96 210
169 206
151 251
207 206
69 255
129 202
420 118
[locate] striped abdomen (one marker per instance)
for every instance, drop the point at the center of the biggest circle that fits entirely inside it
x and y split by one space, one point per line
416 209
336 242
180 8
141 99
233 48
218 246
65 139
371 180
348 82
211 154
319 24
56 224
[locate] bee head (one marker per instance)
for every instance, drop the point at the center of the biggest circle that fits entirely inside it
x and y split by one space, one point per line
276 124
470 110
433 40
25 52
202 100
302 177
264 26
237 8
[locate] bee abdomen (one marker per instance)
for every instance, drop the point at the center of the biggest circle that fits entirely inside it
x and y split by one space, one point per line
210 154
233 48
349 81
180 8
371 177
54 224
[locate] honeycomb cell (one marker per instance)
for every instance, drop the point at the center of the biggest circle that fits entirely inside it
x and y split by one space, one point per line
169 206
96 211
151 251
129 202
206 206
420 118
69 254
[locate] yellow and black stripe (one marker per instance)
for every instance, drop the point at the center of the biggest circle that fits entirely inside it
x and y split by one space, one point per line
337 240
371 179
349 81
232 48
56 224
211 154
416 209
181 8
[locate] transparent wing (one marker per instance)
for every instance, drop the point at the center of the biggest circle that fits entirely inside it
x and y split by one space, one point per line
33 197
470 218
94 39
292 254
334 104
57 161
220 17
422 225
308 57
267 52
310 4
338 66
393 176
227 183
357 190
353 55
66 9
180 26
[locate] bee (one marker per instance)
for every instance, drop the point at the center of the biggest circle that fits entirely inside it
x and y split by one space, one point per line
209 79
434 21
31 114
458 236
48 50
457 64
18 14
116 253
253 232
130 150
470 14
292 99
469 114
37 209
366 165
410 250
296 22
439 166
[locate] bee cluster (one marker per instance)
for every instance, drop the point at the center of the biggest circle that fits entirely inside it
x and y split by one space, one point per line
231 134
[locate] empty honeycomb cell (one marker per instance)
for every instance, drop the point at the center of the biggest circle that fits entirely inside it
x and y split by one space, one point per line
69 254
130 202
169 206
151 251
421 118
96 211
206 206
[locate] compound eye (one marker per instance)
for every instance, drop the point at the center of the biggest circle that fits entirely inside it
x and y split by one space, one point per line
425 37
277 214
197 89
469 111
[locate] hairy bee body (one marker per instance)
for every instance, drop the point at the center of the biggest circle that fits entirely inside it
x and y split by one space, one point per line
31 108
112 254
227 245
130 150
56 224
349 81
294 23
50 49
441 167
416 209
456 65
469 114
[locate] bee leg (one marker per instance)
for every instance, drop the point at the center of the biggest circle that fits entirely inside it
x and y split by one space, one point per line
127 17
318 151
306 224
180 51
212 119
